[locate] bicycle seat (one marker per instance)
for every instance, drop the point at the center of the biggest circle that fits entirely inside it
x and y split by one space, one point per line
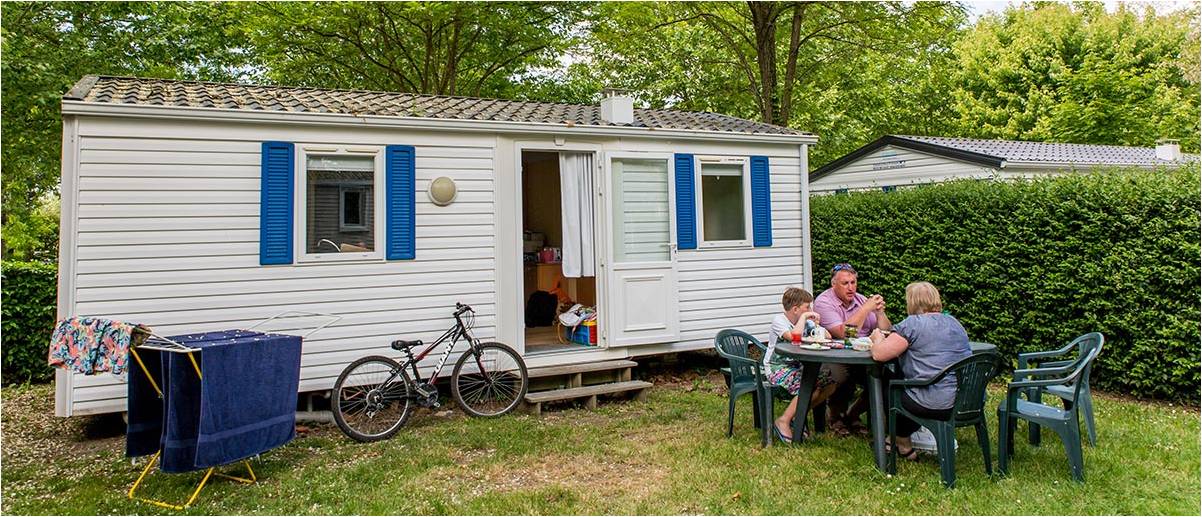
401 344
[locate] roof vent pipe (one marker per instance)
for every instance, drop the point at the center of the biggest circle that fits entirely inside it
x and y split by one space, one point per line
617 106
1168 149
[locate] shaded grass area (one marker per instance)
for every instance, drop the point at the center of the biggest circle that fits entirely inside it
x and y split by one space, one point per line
666 456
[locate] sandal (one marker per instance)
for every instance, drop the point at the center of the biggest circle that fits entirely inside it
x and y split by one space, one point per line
858 428
781 435
839 428
805 435
910 455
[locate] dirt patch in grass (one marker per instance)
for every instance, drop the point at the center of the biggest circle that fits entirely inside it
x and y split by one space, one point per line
590 476
31 433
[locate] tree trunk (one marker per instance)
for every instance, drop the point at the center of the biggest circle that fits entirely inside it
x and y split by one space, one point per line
763 20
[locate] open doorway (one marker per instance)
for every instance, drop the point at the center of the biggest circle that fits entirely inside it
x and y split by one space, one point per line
559 258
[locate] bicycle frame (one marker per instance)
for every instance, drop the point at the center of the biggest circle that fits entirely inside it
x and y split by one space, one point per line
459 330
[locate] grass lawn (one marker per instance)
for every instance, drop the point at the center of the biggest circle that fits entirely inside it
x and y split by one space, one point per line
666 456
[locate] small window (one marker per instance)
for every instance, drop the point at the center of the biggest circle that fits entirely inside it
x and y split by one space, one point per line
339 201
724 204
353 209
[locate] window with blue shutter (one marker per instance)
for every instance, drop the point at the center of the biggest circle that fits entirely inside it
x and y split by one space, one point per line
275 203
686 209
761 202
400 188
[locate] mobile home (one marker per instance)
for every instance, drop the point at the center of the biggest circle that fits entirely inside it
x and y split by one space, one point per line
191 206
893 161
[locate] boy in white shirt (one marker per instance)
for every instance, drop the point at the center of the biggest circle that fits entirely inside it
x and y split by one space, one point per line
797 319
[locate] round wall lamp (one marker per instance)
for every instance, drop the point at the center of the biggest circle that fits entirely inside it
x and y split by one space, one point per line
442 191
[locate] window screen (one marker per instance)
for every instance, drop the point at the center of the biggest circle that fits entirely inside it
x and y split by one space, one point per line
339 204
722 202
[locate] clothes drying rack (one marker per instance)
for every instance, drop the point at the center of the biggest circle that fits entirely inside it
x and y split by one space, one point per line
149 340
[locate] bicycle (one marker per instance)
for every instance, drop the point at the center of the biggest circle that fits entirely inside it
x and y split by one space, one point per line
374 396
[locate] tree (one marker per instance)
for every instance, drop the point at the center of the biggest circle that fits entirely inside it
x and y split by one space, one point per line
773 51
1075 73
47 47
451 48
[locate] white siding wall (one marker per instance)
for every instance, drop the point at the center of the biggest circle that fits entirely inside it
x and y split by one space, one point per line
741 287
168 235
894 166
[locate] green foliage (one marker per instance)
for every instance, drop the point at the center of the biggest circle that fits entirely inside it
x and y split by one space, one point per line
1074 73
843 70
27 304
446 48
48 46
1030 265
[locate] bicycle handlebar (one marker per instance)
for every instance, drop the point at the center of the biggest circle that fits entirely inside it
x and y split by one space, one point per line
461 308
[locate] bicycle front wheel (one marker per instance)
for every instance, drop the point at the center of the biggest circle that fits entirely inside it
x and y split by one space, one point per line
371 399
489 380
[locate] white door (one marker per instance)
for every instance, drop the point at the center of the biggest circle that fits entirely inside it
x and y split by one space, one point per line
642 302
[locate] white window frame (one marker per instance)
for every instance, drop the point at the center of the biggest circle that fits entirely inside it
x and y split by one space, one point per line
300 216
342 224
698 163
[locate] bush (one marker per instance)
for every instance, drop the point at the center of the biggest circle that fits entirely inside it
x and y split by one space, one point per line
27 306
1030 265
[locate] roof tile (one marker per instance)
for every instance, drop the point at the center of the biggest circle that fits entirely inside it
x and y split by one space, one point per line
190 94
1083 154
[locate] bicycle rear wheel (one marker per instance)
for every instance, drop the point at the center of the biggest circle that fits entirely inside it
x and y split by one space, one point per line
367 406
489 380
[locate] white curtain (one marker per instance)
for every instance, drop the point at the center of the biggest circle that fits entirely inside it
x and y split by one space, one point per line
576 195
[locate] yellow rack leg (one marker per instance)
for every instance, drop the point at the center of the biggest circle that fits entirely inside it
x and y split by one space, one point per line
196 492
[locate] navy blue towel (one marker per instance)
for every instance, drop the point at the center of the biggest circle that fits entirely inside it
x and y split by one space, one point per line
245 404
253 408
144 430
181 398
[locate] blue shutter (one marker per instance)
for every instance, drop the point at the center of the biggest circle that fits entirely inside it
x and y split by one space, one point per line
275 203
761 202
686 204
400 188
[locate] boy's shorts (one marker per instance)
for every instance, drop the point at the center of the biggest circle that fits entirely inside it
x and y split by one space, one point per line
788 376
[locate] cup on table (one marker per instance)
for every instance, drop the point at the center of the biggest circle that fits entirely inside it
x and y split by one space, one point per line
850 332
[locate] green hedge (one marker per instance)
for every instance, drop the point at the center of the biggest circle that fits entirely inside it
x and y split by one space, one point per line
1030 265
27 304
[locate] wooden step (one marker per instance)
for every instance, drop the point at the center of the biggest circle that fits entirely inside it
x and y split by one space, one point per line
534 401
551 371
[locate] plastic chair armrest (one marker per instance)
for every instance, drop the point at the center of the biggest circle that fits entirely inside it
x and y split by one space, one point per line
1025 356
914 382
1053 364
1037 383
1043 372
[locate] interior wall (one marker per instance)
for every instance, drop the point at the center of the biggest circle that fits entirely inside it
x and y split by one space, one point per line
541 211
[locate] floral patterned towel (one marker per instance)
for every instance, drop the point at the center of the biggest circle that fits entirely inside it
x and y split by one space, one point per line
91 345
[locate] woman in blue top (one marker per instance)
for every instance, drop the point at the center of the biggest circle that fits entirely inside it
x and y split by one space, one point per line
924 343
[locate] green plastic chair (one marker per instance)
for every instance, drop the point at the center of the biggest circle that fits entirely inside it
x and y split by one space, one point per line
1066 422
779 393
972 375
746 376
1082 344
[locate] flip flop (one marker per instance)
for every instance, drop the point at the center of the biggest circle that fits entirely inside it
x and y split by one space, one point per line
781 435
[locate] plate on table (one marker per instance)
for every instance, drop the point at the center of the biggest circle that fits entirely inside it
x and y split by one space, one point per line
813 346
820 340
